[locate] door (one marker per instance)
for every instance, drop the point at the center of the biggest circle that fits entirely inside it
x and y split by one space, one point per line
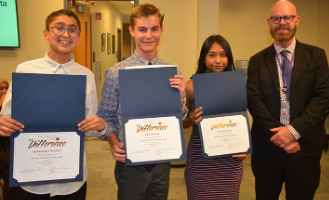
82 53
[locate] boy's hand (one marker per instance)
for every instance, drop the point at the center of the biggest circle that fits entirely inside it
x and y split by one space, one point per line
118 153
92 123
9 126
179 83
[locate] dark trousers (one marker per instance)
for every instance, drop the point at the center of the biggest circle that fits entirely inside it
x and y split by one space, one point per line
136 183
21 194
301 175
8 193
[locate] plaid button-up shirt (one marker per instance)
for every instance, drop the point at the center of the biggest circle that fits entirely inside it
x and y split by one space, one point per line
110 106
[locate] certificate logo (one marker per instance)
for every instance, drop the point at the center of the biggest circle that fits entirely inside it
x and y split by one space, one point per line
223 124
159 126
47 142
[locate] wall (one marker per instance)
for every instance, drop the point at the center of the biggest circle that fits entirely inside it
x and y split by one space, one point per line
178 44
323 26
31 21
110 22
208 10
244 24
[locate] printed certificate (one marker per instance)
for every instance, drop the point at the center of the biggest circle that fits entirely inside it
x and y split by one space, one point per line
153 139
44 156
225 135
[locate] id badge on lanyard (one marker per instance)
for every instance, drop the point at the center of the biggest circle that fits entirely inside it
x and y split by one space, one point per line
285 110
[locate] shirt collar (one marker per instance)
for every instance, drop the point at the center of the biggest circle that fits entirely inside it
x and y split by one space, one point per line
142 61
290 48
53 65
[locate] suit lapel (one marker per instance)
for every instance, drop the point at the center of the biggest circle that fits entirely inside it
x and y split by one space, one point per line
272 68
298 63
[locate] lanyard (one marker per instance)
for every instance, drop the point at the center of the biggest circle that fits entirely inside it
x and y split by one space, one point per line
289 69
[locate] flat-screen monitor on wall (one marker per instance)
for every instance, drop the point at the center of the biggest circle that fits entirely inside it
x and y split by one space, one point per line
9 34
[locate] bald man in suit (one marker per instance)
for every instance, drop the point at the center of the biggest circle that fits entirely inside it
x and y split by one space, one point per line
288 93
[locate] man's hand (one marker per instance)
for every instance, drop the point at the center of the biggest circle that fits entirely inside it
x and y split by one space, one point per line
118 153
9 126
292 148
283 136
92 123
179 83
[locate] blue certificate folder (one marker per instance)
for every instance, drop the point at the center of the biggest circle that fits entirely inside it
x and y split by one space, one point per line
146 93
48 103
221 94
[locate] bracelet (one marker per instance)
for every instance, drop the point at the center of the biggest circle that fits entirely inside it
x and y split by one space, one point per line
183 102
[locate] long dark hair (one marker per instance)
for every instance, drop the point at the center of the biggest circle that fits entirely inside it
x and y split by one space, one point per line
206 47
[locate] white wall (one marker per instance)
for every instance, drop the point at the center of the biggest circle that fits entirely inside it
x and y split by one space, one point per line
31 19
244 24
110 22
323 26
208 12
178 44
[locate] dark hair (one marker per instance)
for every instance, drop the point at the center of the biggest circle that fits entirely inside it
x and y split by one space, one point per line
144 10
205 49
57 13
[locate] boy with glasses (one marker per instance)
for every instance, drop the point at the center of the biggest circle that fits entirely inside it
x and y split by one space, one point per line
62 33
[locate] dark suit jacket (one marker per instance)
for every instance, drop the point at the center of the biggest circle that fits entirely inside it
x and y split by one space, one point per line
309 98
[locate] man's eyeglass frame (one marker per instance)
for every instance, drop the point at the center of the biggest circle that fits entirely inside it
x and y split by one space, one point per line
285 18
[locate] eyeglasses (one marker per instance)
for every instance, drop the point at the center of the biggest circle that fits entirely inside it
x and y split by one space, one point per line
288 19
4 87
59 31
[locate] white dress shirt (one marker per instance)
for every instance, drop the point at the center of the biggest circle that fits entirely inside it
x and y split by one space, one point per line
48 66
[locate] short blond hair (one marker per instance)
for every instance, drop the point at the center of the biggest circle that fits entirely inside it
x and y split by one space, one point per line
145 10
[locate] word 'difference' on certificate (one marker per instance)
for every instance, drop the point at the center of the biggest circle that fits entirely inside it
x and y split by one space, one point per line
46 156
225 135
153 139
